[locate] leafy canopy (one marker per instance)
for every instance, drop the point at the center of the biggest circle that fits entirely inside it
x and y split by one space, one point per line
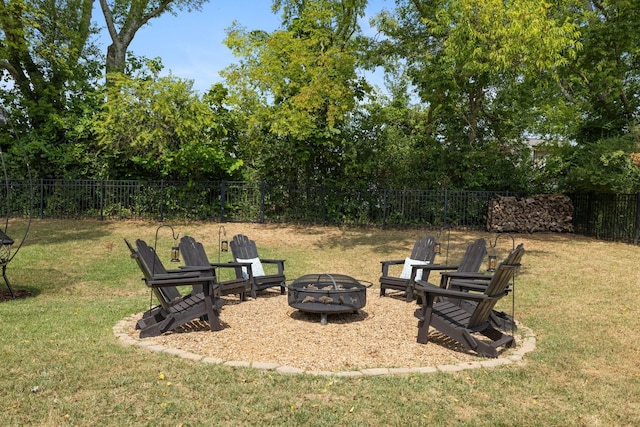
165 130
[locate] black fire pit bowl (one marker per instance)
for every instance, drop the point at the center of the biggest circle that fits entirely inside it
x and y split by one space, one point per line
327 294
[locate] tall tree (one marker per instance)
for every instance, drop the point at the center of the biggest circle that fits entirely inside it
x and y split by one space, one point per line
297 87
594 104
602 83
48 64
125 17
474 64
159 127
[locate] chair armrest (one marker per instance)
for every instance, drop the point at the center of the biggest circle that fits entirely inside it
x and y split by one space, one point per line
429 268
449 276
386 264
229 264
440 267
278 262
238 266
175 281
176 270
471 285
176 274
195 268
393 261
425 288
466 275
272 261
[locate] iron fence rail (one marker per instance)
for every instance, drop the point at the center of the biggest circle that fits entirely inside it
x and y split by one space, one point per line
242 201
614 217
604 216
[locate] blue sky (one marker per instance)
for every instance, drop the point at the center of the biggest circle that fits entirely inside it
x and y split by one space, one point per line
190 44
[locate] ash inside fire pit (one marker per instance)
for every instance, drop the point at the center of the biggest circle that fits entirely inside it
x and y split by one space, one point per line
327 294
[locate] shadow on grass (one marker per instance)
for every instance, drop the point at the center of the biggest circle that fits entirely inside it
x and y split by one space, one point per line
5 295
50 231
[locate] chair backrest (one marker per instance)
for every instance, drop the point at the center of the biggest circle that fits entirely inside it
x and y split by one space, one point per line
140 260
150 265
497 286
243 248
193 252
424 249
194 255
473 256
150 258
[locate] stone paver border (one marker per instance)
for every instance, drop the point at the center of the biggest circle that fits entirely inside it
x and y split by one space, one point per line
527 345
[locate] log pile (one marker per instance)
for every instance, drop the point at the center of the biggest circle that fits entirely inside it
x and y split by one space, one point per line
543 212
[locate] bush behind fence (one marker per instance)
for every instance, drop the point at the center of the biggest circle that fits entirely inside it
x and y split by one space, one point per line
604 216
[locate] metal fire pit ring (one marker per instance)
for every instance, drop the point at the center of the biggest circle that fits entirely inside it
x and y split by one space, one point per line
327 294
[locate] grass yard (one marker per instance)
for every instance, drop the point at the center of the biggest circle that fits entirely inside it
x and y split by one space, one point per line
62 365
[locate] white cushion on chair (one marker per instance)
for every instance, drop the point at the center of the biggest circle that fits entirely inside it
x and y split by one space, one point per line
408 264
256 267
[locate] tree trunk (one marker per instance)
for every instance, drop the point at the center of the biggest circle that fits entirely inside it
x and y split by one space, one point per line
116 57
137 13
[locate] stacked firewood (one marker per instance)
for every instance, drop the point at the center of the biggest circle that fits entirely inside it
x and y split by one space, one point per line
543 212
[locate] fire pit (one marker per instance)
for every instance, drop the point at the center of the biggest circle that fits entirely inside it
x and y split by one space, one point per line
327 294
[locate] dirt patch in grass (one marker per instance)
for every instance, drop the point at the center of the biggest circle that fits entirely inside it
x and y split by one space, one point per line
5 295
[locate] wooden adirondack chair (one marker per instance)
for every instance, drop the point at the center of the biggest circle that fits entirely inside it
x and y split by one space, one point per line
461 324
195 259
475 281
157 269
245 253
174 309
470 263
421 258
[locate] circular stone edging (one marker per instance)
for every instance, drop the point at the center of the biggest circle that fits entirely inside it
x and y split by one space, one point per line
517 356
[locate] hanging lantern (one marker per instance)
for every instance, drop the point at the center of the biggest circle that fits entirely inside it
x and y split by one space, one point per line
175 254
493 263
175 251
492 255
5 247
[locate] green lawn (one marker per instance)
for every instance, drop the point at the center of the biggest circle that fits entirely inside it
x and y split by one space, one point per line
63 365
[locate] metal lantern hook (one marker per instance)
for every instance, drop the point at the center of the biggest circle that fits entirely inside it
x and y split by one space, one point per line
438 243
492 255
175 251
223 244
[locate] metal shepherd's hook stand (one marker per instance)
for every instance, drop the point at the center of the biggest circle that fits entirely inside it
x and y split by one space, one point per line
438 246
493 265
175 251
223 244
7 242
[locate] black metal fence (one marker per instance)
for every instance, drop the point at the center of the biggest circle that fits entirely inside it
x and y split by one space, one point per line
259 202
613 217
608 217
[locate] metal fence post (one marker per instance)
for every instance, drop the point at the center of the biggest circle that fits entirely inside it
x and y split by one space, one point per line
102 186
41 198
444 213
262 196
384 207
636 230
223 197
323 211
161 200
